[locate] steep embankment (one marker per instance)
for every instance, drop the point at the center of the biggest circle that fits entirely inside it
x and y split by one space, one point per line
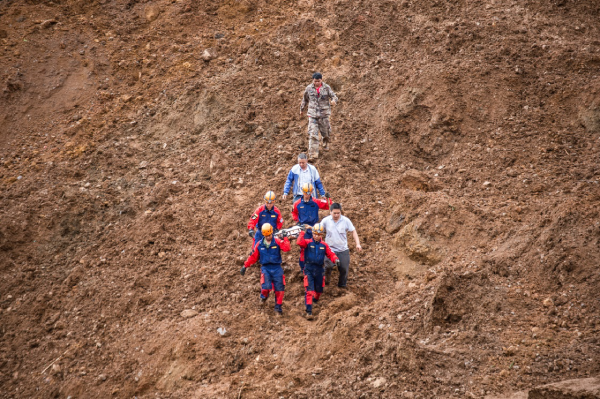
137 138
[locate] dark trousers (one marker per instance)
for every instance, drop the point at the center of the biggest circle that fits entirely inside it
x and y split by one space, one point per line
344 258
314 281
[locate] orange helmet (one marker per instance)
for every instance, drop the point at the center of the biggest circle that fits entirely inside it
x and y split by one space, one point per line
266 229
318 229
270 197
307 188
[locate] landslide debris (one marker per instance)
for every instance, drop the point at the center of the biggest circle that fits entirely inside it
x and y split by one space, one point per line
136 138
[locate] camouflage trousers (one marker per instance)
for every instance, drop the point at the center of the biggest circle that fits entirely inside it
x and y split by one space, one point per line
316 126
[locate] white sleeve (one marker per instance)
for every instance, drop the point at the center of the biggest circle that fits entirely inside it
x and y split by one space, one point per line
317 177
349 225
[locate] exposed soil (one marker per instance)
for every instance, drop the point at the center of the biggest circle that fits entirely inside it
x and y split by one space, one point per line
137 137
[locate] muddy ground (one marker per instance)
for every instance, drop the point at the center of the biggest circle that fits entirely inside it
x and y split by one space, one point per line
137 137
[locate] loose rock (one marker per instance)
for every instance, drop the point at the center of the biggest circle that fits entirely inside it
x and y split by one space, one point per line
187 313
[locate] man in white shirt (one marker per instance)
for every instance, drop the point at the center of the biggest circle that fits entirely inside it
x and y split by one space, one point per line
337 227
301 173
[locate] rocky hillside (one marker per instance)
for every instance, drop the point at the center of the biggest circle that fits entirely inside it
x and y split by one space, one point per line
137 137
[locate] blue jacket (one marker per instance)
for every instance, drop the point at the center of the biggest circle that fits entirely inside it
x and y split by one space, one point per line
314 253
269 256
294 178
308 212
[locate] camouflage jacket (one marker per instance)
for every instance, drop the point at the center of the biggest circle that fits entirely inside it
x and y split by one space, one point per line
318 105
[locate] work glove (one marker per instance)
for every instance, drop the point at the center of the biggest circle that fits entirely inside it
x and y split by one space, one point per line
337 263
251 233
284 234
327 195
243 270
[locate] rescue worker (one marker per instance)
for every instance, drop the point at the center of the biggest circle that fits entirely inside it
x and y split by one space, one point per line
302 173
317 96
267 213
337 227
268 251
313 252
306 211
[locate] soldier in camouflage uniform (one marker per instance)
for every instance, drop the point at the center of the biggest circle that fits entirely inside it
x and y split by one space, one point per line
318 96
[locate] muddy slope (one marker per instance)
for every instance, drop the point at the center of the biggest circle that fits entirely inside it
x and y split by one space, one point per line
137 137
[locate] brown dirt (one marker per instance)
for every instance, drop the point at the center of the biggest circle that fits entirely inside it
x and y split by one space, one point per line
138 136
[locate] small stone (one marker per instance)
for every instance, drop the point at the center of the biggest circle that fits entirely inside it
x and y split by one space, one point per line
48 23
187 313
510 351
55 369
222 331
151 12
209 54
548 302
486 183
143 165
102 377
379 382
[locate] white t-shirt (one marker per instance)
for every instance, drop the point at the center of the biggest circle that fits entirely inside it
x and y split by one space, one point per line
336 232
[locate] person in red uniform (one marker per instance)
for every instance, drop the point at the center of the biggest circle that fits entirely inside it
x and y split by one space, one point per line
306 210
268 250
313 252
267 213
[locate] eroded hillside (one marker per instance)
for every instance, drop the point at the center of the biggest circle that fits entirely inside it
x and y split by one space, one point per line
136 138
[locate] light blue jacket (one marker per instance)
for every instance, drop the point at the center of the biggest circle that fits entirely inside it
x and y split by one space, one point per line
294 178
